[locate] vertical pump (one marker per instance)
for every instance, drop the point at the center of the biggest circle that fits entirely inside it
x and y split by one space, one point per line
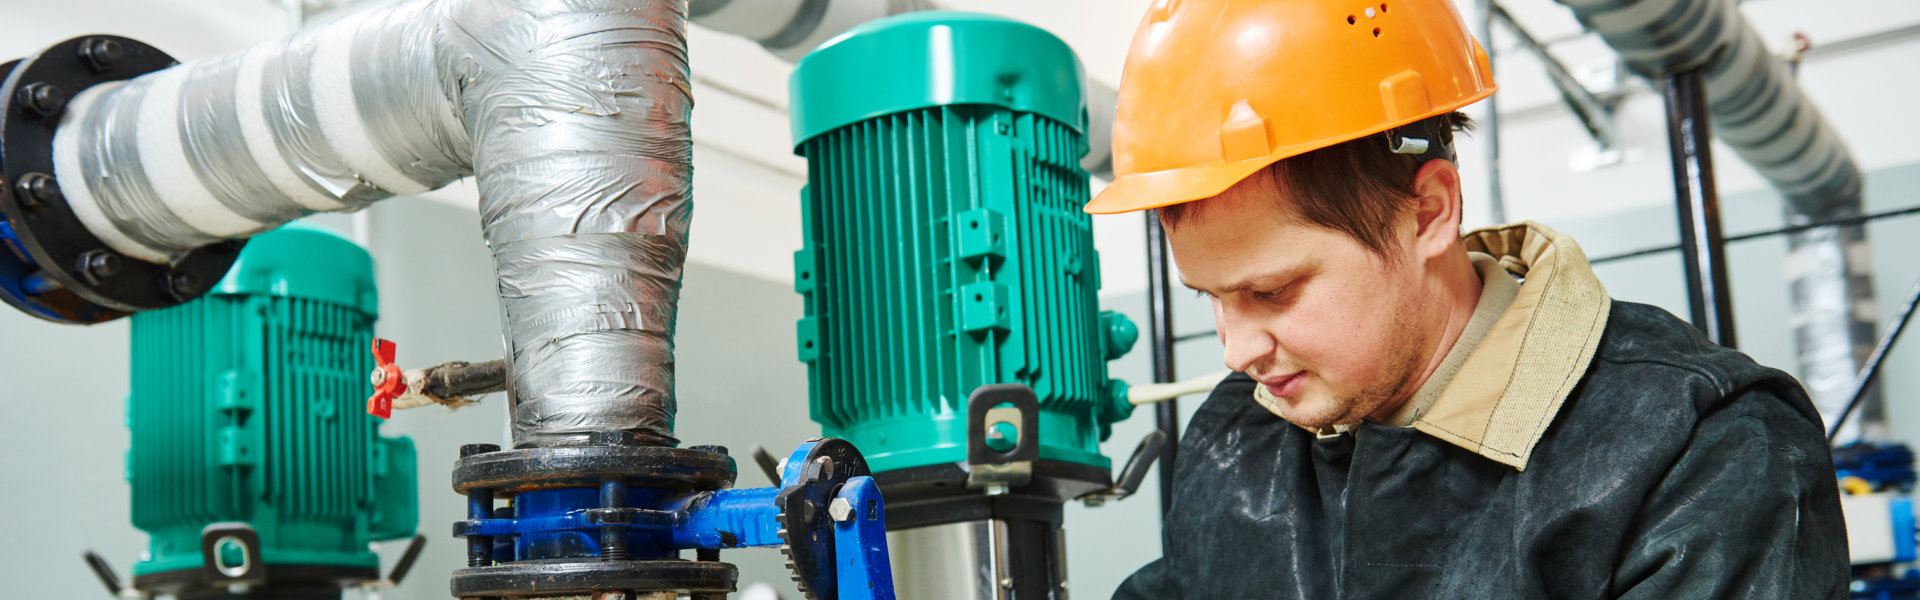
252 467
952 329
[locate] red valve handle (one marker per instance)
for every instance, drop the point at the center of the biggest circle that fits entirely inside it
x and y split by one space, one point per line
388 382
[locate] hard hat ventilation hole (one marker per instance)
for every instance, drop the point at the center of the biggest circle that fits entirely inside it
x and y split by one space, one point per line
1376 32
1383 7
1350 19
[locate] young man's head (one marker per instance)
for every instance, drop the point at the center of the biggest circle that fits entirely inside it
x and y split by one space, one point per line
1335 275
1255 127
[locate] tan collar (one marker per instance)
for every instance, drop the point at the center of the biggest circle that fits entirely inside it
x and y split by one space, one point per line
1497 291
1510 387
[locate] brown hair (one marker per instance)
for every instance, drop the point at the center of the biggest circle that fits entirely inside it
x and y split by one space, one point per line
1354 187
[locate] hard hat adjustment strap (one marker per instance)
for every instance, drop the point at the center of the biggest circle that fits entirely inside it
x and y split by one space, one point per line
1423 139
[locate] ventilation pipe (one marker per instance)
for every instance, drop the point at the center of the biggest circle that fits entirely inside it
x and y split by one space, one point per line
791 28
1760 112
572 115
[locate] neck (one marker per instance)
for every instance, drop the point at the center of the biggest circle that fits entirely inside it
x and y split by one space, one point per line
1458 285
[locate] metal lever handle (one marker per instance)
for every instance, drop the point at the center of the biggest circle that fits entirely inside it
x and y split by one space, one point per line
1135 472
104 571
768 464
405 563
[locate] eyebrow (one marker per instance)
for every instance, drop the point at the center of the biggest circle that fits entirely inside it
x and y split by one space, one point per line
1259 281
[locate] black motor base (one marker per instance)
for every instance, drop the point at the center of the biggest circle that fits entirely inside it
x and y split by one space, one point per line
283 582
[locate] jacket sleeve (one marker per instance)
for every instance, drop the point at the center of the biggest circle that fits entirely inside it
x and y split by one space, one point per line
1750 509
1155 581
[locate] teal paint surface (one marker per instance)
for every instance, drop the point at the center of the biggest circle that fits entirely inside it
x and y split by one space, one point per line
248 405
945 247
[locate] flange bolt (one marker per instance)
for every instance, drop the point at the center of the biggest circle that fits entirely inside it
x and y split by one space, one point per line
41 99
38 190
102 53
97 265
183 285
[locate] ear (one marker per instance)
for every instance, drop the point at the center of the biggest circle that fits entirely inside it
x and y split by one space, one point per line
1436 189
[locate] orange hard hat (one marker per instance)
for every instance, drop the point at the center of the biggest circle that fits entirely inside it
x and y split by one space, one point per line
1215 90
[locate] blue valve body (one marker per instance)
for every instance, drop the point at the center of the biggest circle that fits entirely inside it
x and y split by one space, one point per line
651 523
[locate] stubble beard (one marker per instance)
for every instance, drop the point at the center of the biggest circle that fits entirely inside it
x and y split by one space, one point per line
1402 367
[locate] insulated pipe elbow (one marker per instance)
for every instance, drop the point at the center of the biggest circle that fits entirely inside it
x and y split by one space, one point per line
1757 108
573 115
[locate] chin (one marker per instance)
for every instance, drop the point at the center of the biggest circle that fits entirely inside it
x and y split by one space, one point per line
1318 413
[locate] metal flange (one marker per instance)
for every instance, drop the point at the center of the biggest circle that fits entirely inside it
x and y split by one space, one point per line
529 578
509 472
53 267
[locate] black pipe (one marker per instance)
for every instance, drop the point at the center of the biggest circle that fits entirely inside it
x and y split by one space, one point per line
466 380
1489 125
1166 415
1702 246
1840 222
1872 369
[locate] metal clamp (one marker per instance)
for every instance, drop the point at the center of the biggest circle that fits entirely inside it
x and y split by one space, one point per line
1000 470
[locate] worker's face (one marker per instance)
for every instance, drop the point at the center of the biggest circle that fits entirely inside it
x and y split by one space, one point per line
1329 327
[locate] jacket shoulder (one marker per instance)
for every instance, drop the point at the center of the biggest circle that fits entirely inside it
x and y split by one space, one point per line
1643 340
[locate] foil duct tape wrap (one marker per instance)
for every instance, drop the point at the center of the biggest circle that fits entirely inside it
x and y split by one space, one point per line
1829 273
572 115
584 159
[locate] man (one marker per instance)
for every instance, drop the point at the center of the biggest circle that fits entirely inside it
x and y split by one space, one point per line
1417 414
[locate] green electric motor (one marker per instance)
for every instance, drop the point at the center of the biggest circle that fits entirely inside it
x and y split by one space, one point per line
249 442
945 247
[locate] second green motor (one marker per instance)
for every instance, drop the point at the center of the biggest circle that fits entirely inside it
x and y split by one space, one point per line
945 246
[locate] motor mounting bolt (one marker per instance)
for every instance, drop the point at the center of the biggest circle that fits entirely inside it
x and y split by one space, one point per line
38 190
97 265
102 54
840 509
472 449
41 99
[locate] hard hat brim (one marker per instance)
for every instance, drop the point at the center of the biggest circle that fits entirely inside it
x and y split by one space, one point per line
1143 191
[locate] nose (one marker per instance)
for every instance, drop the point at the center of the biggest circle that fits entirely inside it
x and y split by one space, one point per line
1245 339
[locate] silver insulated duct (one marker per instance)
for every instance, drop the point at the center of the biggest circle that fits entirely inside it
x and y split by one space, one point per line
572 115
1760 112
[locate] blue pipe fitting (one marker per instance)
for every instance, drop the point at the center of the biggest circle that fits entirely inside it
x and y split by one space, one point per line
612 519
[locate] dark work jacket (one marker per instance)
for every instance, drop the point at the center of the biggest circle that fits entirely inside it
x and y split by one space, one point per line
1676 469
